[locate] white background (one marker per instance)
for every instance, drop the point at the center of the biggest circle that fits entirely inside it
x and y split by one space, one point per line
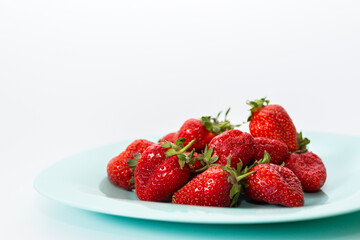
77 74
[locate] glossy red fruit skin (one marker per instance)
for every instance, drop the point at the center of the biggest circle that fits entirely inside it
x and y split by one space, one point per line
272 121
274 184
309 168
238 144
193 129
210 188
157 178
119 172
277 150
170 137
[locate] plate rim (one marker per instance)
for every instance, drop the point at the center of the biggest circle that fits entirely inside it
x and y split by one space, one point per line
289 218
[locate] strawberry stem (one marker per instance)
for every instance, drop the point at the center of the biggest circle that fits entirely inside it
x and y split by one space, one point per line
241 177
223 124
186 147
201 169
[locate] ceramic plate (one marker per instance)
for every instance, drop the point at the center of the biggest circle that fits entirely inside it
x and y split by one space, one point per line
81 181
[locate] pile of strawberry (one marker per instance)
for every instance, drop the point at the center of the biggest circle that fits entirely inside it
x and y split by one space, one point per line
210 163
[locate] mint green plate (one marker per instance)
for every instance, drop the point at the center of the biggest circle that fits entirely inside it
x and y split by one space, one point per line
81 181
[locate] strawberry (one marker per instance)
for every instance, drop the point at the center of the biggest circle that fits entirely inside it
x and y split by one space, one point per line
210 188
218 186
307 166
277 150
161 170
272 121
274 184
170 137
239 145
203 130
119 172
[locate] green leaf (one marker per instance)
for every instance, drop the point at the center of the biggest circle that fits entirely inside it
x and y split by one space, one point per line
227 112
132 162
234 201
191 154
252 103
208 154
239 167
213 159
216 129
181 163
234 189
191 161
215 126
302 143
205 119
256 104
132 180
246 169
249 118
208 125
181 156
231 180
228 162
166 145
180 141
266 158
233 173
170 152
137 156
300 135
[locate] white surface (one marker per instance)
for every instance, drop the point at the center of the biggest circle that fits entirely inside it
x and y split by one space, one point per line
78 74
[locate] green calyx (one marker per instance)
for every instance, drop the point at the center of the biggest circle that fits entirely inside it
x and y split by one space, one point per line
178 149
214 125
238 175
256 105
132 163
206 159
302 143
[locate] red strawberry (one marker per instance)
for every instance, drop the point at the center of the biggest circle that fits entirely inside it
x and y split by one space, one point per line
203 130
210 188
274 184
272 121
160 171
277 150
234 143
307 166
119 172
218 186
170 137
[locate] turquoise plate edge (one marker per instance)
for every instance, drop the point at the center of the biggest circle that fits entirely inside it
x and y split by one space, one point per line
43 180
